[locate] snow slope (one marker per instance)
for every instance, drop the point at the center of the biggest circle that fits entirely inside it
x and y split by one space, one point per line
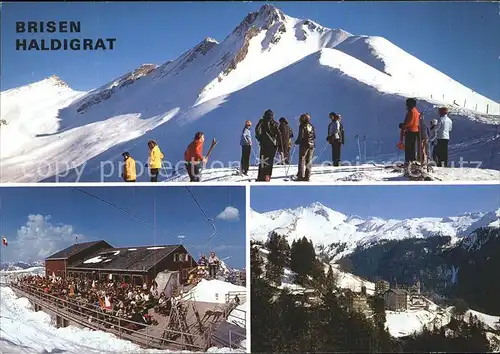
341 234
490 322
402 324
347 280
32 111
213 87
386 57
344 280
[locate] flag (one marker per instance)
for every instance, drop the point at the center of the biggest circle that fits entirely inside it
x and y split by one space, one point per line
4 241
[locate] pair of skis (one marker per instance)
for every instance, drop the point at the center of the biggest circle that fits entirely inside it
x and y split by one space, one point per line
210 150
361 157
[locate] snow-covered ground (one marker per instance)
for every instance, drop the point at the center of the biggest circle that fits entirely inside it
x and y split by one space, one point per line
212 291
328 174
31 270
11 275
350 281
401 324
490 322
270 60
333 230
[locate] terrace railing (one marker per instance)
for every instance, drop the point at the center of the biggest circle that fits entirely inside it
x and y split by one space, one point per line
230 295
106 321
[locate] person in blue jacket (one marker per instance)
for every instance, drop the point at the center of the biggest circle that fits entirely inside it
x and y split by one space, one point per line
246 147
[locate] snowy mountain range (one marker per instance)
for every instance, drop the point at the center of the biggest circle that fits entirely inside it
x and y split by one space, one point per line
270 60
339 234
14 266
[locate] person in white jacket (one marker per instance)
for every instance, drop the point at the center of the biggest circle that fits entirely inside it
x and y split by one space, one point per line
444 128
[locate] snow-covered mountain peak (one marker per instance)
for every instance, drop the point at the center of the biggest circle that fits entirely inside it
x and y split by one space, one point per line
474 214
108 90
327 227
491 219
317 205
320 209
49 86
267 16
56 81
204 46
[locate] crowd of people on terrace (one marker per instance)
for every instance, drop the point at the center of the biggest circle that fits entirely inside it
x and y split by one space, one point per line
99 299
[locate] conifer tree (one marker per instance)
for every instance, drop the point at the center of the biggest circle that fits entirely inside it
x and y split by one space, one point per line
277 259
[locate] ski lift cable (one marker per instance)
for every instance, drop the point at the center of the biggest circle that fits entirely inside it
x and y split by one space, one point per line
205 214
125 211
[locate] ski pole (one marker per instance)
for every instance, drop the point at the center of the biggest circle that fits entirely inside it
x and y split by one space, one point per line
364 145
359 148
255 157
322 151
291 159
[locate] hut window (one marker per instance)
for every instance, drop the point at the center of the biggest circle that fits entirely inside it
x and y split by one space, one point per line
138 280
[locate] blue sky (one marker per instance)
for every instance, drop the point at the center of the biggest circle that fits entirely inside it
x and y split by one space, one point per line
382 201
459 39
74 213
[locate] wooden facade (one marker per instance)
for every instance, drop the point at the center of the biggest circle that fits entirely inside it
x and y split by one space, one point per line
56 266
139 265
58 263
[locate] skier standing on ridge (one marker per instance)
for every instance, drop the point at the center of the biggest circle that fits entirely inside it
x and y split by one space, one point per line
246 147
444 128
129 172
285 141
154 161
193 156
335 137
268 135
305 140
411 130
213 264
433 139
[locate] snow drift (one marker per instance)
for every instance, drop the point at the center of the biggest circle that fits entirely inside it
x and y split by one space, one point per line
270 60
212 291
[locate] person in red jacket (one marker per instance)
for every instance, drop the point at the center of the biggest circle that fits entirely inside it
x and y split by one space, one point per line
411 130
194 157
